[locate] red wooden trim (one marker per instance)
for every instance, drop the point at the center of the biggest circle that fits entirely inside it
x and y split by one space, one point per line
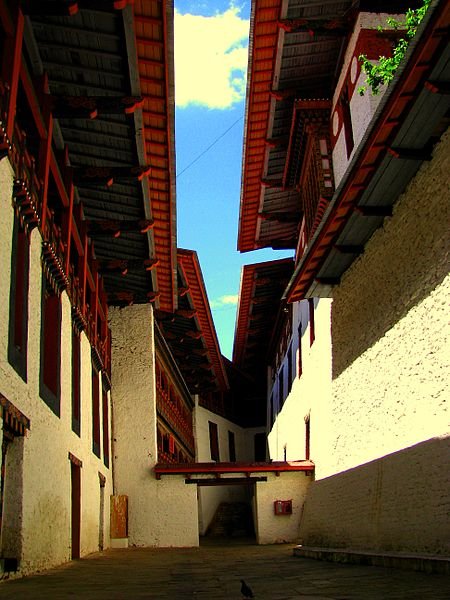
74 460
84 269
64 193
235 467
69 225
45 153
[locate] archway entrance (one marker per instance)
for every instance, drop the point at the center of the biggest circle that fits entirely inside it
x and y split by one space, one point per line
226 509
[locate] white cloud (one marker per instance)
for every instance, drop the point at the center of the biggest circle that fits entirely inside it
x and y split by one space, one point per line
225 300
210 58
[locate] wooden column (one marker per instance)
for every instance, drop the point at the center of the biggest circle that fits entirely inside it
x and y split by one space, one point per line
11 66
45 149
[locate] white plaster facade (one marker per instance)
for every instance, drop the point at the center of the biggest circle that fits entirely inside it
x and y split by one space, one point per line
310 393
389 418
278 529
37 503
161 512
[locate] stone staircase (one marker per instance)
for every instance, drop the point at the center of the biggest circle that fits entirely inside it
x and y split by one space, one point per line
232 519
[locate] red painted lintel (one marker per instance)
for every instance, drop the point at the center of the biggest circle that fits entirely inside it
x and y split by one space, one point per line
243 468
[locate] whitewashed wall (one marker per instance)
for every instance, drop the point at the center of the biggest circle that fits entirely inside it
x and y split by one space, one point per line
390 414
40 536
161 513
277 529
310 393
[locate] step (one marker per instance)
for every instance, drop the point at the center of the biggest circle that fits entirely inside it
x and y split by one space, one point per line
428 563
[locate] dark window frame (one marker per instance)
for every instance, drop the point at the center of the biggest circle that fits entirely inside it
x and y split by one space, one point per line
50 355
300 357
281 397
18 300
105 424
347 121
96 412
312 327
214 441
76 382
231 446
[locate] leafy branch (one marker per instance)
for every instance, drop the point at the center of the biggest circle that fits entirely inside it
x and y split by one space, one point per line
382 72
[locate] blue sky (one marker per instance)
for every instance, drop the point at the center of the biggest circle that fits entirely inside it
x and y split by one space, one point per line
211 45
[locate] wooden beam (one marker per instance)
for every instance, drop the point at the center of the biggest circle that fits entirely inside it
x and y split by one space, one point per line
89 107
107 175
281 217
438 87
225 481
50 8
337 27
45 152
374 211
331 281
349 249
114 227
418 154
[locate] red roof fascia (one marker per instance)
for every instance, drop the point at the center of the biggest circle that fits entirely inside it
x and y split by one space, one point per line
409 85
188 260
263 40
155 64
246 295
245 468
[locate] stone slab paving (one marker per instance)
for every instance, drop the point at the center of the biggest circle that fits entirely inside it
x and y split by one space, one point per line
214 571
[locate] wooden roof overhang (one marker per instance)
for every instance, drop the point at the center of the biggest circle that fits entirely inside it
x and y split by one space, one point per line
260 294
123 161
295 51
409 120
190 331
244 469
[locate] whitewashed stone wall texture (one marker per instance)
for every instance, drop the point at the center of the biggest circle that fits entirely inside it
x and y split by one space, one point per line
40 485
277 529
153 520
390 382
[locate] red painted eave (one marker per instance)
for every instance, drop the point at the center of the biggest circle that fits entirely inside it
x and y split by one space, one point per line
262 56
244 468
188 259
247 294
399 99
153 23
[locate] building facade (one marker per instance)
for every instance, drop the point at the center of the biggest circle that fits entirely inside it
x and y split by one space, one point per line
357 379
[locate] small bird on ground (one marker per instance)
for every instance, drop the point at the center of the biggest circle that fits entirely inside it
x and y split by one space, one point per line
245 590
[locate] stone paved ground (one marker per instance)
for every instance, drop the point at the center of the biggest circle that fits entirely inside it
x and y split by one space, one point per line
214 572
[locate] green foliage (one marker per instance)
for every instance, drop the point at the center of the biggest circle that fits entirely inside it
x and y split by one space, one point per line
382 72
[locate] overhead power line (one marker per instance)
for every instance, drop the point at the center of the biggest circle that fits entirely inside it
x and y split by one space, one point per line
209 147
